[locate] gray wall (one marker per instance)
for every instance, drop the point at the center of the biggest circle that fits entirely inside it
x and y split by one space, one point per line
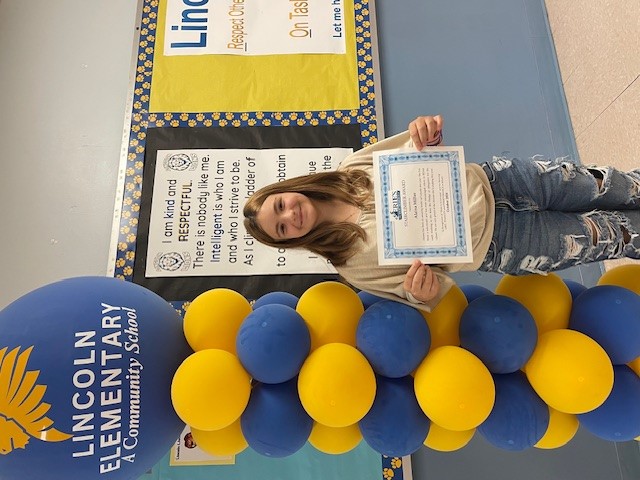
64 76
487 65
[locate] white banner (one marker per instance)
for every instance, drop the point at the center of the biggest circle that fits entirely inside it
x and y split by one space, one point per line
254 27
196 225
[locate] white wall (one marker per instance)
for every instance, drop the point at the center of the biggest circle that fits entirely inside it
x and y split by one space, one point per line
64 77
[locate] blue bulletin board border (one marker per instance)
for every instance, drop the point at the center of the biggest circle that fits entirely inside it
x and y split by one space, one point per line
138 120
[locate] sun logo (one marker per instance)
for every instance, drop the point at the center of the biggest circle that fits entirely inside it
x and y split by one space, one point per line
22 412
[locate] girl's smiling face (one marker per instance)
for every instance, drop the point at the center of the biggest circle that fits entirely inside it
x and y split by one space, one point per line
288 215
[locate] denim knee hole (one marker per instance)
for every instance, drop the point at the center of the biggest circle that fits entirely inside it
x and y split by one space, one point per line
601 176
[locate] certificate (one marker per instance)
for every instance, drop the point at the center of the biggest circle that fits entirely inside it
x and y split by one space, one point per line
421 206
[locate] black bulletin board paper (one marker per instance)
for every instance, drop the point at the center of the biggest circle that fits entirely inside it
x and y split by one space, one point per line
188 287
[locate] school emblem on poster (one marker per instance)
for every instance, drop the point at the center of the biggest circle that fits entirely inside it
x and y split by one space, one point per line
172 261
180 162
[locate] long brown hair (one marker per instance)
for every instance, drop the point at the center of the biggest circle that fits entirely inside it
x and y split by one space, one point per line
333 241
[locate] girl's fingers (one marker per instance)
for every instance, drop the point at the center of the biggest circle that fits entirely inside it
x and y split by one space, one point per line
426 130
411 275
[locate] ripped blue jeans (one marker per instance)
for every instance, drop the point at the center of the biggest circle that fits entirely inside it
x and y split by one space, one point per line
552 215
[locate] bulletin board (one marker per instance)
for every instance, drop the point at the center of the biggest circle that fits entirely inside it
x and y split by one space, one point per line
213 79
191 106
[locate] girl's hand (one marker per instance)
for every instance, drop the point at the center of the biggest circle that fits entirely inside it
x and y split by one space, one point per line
421 282
426 130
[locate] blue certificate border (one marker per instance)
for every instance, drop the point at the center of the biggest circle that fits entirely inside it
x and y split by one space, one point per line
453 159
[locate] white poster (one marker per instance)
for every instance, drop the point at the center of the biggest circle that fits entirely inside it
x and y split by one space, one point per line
254 27
196 224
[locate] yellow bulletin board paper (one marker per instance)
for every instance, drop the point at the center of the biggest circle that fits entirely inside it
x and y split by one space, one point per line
231 83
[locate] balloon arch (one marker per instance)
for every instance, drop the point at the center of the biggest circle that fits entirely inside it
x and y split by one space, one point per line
523 366
98 375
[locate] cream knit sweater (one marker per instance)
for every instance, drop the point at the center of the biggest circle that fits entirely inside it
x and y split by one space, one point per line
362 270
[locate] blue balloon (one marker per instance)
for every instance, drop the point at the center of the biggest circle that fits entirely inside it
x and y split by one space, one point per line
611 316
394 337
575 288
89 361
519 418
500 331
274 423
618 418
368 299
272 343
280 298
471 292
395 425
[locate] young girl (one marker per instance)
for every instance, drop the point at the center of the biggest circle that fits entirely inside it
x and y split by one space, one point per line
527 216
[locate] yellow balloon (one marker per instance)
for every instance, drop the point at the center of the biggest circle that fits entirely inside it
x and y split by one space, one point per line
221 443
213 319
445 440
570 371
454 388
444 319
334 441
210 390
626 276
336 385
635 365
332 311
562 428
547 298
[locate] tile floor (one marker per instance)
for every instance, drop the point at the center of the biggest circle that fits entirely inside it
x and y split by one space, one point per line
598 47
